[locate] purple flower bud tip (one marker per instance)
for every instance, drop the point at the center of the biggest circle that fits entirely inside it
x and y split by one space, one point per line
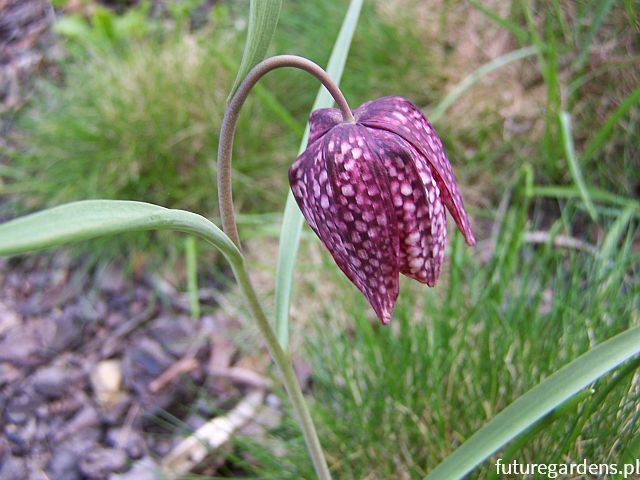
375 191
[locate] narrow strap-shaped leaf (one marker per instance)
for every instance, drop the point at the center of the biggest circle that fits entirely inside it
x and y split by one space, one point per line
612 121
616 231
87 219
292 220
516 30
538 402
602 8
563 410
263 19
472 78
570 191
574 167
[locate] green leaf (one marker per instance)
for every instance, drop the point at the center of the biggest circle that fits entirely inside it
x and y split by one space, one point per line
576 172
263 19
615 233
537 402
87 219
592 405
470 80
602 9
603 134
104 23
565 409
292 220
569 191
520 33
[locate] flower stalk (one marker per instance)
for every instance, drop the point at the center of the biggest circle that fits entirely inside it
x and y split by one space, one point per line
283 361
230 120
225 198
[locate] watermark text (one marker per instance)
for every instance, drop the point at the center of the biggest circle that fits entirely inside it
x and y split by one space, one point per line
563 470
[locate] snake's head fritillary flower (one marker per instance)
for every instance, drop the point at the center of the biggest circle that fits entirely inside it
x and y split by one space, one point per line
374 191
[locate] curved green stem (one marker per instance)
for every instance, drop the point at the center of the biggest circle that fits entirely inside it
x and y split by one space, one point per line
227 215
227 130
289 378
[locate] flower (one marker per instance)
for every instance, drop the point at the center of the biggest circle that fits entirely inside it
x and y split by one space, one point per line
373 191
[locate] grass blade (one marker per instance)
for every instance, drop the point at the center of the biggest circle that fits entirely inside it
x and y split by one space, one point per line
516 30
616 231
601 12
593 404
548 63
88 219
576 173
537 402
191 254
292 220
468 82
603 134
629 456
570 192
263 19
567 408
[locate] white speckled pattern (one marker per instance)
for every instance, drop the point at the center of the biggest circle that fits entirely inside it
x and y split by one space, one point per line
374 191
398 115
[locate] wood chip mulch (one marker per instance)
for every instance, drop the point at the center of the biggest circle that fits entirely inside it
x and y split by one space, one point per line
101 376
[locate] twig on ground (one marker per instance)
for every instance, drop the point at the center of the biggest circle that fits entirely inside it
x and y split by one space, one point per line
212 435
184 365
487 247
243 376
560 241
115 340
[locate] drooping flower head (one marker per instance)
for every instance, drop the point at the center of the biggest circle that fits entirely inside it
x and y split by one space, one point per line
374 191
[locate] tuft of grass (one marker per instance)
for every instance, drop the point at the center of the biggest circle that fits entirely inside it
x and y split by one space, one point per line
145 128
584 66
391 402
144 125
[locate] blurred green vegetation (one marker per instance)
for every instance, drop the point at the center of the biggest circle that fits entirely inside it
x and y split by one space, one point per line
136 117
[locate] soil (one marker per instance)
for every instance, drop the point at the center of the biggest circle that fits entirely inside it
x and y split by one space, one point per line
25 39
102 376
